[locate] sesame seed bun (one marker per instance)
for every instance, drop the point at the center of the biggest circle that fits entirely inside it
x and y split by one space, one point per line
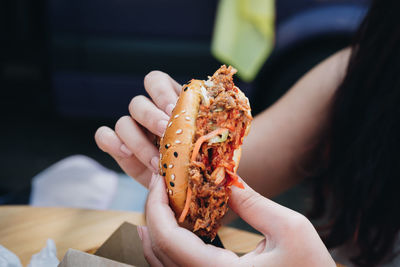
176 146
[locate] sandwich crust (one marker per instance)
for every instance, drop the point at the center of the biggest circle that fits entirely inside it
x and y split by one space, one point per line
176 145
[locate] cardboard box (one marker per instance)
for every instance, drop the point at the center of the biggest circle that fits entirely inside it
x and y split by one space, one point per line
78 258
122 249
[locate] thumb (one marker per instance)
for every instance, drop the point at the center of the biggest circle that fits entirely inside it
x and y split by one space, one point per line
261 213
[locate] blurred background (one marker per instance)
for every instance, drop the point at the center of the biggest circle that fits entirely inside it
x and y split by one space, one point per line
70 66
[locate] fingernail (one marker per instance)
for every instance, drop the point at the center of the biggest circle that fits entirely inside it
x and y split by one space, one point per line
140 232
125 150
154 163
169 109
161 126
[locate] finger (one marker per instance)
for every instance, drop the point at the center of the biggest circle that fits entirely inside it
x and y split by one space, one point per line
108 141
147 114
182 246
175 85
147 248
262 247
134 168
137 142
257 255
264 215
162 89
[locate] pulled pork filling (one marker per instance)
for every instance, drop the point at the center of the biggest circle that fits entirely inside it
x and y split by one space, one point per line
212 171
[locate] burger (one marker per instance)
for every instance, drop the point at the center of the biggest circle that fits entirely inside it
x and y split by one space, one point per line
201 149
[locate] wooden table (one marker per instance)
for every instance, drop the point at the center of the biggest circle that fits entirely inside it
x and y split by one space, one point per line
24 230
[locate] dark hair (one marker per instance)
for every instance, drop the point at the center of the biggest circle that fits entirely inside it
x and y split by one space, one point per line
359 189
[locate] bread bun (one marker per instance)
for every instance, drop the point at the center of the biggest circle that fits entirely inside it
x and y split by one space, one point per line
204 107
176 145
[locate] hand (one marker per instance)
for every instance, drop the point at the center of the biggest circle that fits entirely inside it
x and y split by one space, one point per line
131 144
290 239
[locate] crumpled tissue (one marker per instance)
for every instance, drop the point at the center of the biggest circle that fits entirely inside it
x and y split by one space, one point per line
76 181
47 257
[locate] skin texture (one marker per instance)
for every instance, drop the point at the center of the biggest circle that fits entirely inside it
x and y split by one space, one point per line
284 137
139 157
279 248
285 134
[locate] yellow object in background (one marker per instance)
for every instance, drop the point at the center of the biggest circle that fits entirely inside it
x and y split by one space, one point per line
244 34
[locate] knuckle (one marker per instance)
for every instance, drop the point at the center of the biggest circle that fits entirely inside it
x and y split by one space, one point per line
137 149
142 113
135 102
297 222
143 148
162 97
250 200
160 244
144 152
121 122
148 153
148 116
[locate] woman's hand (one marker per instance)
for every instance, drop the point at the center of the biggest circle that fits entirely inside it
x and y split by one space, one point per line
290 239
131 142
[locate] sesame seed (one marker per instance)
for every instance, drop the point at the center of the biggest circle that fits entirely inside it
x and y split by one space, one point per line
170 123
185 88
178 141
187 118
171 184
165 165
183 111
170 166
176 154
179 131
167 146
170 192
176 116
173 177
163 174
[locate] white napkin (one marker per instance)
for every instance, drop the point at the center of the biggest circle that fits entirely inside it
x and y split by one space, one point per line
8 259
77 181
47 257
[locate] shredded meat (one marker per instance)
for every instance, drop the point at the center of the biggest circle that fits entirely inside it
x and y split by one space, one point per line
209 199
